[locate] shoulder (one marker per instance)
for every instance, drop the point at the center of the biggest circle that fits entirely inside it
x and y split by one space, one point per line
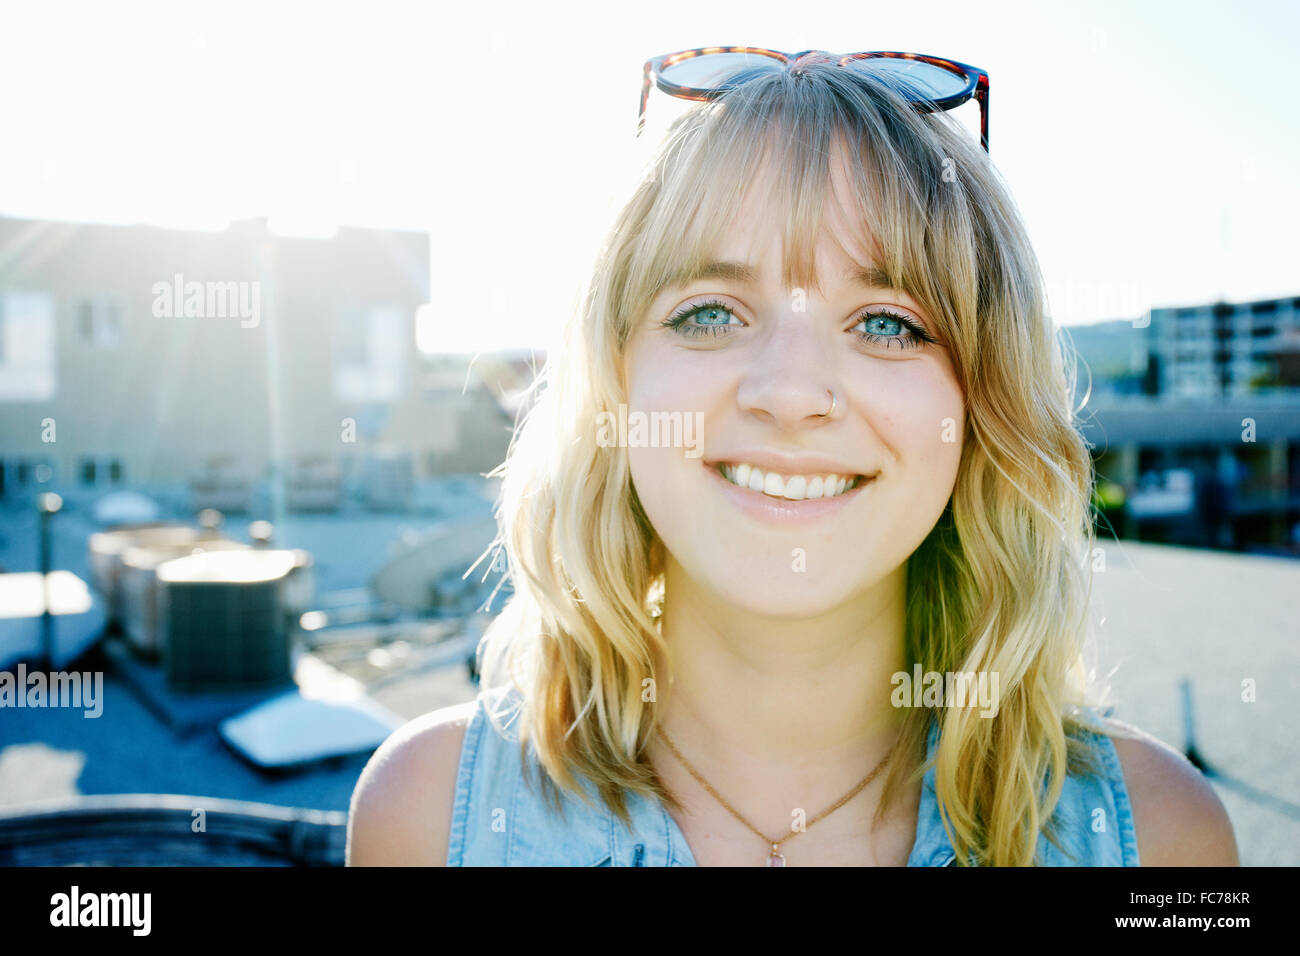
402 804
1179 819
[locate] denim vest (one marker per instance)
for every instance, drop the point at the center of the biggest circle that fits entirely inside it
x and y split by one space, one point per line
499 820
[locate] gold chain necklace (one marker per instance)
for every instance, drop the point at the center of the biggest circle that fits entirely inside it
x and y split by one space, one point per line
775 858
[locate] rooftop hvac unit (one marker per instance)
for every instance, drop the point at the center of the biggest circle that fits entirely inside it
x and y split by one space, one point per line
313 485
223 619
138 586
105 550
223 486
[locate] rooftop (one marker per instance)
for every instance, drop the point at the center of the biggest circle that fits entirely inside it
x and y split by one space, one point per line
1162 615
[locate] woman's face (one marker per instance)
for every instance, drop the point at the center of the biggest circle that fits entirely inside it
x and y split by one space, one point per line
756 375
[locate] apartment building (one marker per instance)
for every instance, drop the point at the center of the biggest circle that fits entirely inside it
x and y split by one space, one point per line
1223 349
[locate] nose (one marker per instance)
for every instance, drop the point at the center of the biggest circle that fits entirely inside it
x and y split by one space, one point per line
789 383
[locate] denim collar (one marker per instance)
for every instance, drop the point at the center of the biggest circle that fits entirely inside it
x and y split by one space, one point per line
600 838
585 834
654 839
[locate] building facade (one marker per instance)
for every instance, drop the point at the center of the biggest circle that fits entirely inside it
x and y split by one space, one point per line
1224 349
136 355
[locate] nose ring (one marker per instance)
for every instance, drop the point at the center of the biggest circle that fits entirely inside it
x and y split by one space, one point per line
832 411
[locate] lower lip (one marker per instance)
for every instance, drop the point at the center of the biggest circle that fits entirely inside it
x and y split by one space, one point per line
784 511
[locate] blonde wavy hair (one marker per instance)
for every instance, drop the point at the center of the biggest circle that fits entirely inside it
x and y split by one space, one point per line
1001 583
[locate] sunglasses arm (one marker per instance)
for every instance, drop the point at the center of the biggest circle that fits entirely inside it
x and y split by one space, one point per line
982 96
645 95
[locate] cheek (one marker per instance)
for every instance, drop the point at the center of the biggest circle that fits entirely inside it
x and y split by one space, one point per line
661 381
663 482
920 418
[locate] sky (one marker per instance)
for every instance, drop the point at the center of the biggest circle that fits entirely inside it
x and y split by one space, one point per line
1151 146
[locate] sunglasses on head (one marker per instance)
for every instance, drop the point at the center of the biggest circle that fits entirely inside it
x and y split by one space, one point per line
929 82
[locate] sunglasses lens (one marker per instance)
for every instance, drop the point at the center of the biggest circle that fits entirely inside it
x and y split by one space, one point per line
914 78
714 71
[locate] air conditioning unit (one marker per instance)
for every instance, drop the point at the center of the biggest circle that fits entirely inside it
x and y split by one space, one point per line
106 548
138 586
223 619
313 484
222 485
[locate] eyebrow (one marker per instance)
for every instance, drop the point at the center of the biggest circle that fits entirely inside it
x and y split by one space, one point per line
872 277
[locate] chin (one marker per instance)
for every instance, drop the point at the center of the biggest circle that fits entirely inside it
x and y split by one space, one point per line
780 593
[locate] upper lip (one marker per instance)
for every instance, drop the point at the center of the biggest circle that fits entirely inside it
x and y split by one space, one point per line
803 464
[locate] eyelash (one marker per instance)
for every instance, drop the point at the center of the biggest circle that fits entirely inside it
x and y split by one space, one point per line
917 334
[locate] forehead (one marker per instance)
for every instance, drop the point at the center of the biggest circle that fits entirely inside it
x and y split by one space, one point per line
842 246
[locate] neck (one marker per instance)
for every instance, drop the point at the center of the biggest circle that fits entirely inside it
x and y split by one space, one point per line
804 701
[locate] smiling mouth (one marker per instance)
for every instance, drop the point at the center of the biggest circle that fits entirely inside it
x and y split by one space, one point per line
789 487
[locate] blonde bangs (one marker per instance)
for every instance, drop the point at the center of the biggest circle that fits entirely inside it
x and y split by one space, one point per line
901 212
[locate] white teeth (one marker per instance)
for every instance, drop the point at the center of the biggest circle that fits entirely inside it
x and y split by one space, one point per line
792 487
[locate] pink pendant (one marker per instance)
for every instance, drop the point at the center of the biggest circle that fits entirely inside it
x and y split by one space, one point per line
775 858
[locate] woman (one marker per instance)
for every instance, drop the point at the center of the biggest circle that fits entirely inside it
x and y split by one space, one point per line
798 534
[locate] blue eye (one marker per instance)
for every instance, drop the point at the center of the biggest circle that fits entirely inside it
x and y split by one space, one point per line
709 311
889 324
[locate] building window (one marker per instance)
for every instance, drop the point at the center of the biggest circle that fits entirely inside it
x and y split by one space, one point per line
27 354
370 348
115 471
99 320
87 471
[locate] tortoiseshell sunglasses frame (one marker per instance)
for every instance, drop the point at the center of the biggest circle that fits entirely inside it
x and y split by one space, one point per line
976 80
